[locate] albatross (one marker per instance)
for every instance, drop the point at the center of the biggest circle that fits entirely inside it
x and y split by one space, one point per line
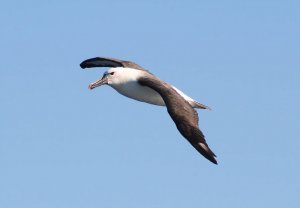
133 81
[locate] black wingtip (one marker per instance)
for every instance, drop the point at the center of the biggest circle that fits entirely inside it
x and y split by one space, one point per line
101 62
212 159
82 65
88 63
204 150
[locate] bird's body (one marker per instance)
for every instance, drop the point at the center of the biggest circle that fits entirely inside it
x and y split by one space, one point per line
134 90
128 86
131 80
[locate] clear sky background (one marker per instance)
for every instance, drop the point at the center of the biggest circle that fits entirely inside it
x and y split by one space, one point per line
62 145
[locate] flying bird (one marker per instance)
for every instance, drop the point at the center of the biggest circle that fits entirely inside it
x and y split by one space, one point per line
133 81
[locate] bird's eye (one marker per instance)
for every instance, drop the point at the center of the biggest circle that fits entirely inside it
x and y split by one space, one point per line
111 73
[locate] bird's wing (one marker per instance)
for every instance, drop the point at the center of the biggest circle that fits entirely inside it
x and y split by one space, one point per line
109 62
182 113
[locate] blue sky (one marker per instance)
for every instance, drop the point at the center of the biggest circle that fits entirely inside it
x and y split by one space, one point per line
62 145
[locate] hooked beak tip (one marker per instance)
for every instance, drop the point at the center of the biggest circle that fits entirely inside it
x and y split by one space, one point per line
92 86
98 83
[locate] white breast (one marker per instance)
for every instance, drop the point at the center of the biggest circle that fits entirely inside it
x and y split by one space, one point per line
137 92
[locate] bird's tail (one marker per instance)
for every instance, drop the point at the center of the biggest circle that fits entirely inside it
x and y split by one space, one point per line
191 101
195 104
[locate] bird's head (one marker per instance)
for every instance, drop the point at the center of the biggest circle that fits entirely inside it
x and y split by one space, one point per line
116 76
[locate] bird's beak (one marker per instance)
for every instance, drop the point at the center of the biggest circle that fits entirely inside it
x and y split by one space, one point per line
99 82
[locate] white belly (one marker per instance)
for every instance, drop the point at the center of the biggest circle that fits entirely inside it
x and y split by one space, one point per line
137 92
145 94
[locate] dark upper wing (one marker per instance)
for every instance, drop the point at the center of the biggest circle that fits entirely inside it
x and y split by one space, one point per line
182 113
109 62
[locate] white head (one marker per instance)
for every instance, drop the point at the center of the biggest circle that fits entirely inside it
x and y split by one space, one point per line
117 76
